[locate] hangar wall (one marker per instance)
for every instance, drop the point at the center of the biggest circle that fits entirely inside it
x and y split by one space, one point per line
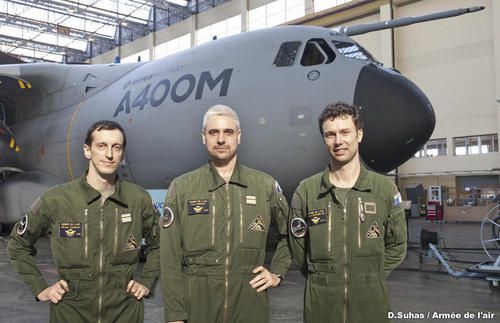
455 61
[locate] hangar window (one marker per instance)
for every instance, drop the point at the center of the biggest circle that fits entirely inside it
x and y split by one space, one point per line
473 145
352 50
287 53
317 52
433 148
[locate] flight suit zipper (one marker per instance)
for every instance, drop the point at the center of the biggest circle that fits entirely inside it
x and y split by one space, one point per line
101 265
344 219
213 219
86 235
329 227
115 249
241 217
361 213
228 245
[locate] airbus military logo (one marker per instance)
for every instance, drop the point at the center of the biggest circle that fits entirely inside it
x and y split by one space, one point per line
373 232
298 227
23 225
131 243
167 218
257 224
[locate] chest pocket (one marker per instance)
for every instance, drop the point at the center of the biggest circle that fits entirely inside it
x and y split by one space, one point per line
253 219
370 226
70 238
127 234
198 221
320 225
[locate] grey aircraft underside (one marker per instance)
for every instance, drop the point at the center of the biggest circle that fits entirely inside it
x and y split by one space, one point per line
278 80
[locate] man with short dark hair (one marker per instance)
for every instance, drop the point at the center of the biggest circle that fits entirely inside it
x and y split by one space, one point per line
96 225
347 228
214 231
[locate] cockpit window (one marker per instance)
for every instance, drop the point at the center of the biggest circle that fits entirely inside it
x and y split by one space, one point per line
317 52
287 53
352 50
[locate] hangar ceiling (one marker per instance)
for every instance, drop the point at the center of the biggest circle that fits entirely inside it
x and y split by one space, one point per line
72 31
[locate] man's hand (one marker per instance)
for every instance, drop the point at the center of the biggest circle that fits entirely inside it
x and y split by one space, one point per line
54 293
137 289
264 279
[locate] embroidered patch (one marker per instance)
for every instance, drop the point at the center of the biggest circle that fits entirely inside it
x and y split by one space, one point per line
397 199
257 224
22 226
131 244
167 218
126 218
370 208
251 200
373 232
316 217
195 207
298 227
70 230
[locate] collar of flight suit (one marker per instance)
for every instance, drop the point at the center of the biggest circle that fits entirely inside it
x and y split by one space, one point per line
363 183
91 194
215 180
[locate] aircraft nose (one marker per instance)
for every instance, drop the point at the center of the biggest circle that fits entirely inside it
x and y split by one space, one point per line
399 119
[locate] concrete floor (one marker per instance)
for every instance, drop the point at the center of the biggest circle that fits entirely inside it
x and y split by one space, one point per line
415 288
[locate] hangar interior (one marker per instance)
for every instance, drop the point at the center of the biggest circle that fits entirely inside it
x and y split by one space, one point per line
455 61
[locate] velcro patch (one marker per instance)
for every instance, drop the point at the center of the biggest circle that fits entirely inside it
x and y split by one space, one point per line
251 200
373 232
126 218
131 244
258 224
70 230
370 208
316 217
196 207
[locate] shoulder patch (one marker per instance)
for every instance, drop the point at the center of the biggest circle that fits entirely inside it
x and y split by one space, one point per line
298 227
397 199
278 187
167 218
22 226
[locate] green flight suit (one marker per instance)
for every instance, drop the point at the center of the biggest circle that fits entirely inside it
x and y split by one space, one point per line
95 249
350 246
217 237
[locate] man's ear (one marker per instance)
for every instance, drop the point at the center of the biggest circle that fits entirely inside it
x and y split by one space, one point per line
203 139
86 151
360 135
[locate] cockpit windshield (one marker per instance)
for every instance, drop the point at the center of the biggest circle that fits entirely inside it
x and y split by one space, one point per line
353 50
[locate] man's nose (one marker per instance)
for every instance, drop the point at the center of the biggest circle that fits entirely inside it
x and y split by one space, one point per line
221 138
109 153
338 140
